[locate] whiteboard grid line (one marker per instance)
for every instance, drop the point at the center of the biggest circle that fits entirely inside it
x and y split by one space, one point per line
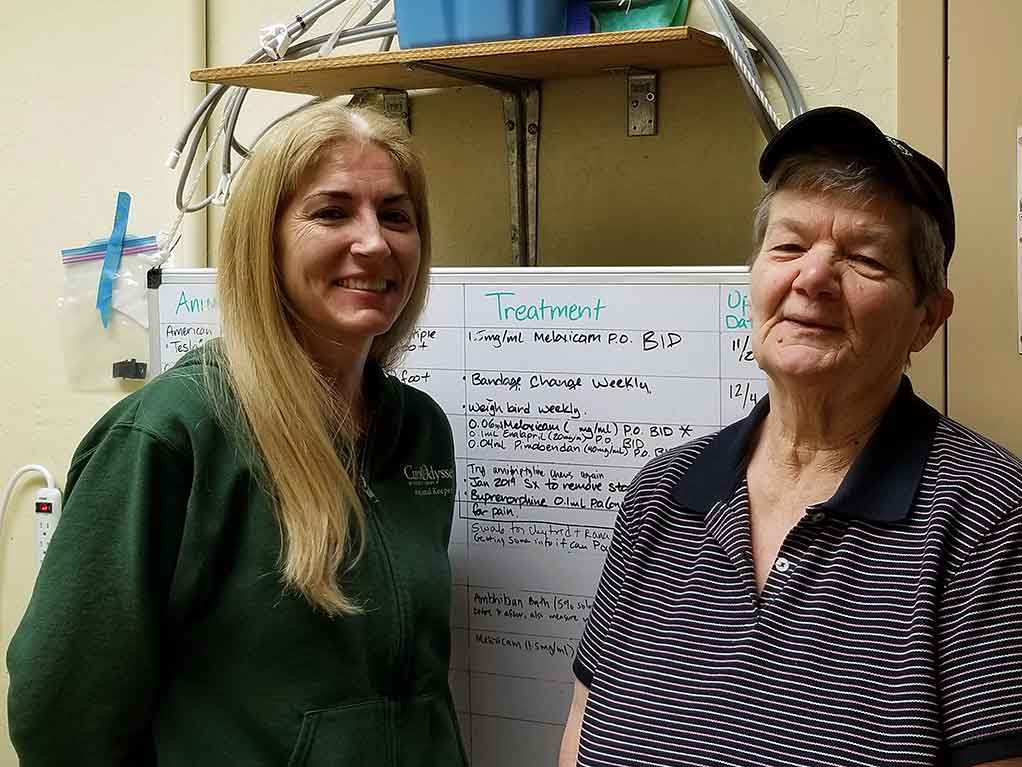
505 718
550 417
468 585
575 329
720 367
612 374
559 463
581 509
535 591
536 522
528 634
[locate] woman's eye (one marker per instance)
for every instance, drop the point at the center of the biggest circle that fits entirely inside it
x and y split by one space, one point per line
330 214
396 216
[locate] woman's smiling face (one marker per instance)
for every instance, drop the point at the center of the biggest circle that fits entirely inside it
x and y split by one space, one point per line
348 250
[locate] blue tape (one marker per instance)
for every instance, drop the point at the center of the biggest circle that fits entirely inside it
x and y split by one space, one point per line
99 246
112 262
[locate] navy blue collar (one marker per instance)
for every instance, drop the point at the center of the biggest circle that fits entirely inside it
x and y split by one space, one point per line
880 485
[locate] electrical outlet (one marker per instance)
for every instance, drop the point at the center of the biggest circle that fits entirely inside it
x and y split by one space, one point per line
47 514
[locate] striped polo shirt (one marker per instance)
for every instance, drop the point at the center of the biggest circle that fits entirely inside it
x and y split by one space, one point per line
889 631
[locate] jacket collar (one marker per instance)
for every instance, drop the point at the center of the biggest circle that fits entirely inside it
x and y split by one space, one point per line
880 485
387 403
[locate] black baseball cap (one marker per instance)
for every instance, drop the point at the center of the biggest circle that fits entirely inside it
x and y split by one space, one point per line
849 133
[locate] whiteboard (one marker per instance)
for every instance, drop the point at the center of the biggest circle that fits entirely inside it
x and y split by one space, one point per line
559 385
183 314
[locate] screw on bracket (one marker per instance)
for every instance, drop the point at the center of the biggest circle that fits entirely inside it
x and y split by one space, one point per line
642 103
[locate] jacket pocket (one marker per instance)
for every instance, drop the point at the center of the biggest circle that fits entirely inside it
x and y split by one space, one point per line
357 734
429 734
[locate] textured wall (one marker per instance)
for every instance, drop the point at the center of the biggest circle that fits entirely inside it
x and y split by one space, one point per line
842 51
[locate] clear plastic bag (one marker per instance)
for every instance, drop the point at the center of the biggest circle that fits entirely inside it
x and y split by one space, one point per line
90 349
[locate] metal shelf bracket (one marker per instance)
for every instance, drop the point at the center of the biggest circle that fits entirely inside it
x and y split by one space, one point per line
522 110
393 103
642 103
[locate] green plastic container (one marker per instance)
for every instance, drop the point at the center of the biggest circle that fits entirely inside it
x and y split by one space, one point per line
660 13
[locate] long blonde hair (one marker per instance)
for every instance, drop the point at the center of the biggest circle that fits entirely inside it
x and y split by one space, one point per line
286 408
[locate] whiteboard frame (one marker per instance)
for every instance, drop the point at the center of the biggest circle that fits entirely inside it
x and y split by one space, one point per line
453 275
168 276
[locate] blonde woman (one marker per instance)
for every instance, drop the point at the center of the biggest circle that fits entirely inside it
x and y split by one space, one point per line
251 568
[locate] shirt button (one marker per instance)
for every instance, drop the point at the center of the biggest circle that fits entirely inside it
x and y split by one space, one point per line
817 516
782 565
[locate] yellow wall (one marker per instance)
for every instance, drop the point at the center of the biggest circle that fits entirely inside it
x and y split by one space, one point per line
985 115
92 97
100 97
921 122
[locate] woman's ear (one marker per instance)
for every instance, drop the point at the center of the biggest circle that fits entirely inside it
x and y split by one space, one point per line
938 309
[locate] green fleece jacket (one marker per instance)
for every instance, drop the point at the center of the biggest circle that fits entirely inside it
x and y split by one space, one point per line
159 632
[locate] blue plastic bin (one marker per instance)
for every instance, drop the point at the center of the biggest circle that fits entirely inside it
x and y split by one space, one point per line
445 22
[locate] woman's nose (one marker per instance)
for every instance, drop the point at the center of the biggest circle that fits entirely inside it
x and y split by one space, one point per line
368 239
817 275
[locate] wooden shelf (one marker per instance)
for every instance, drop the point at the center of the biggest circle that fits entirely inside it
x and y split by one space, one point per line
533 59
515 66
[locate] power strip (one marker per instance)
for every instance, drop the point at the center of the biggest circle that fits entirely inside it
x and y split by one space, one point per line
47 514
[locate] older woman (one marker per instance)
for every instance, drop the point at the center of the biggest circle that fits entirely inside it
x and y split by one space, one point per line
837 579
243 574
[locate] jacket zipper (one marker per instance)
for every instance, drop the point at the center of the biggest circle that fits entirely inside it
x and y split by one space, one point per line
368 491
402 659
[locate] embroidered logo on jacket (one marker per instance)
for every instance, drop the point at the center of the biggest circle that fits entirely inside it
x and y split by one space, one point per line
430 480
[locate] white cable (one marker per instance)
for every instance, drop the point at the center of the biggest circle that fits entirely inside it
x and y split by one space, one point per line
754 82
302 22
375 7
168 238
32 467
732 38
198 123
298 50
775 61
331 41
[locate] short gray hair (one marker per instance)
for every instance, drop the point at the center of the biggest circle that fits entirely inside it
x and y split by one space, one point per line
826 173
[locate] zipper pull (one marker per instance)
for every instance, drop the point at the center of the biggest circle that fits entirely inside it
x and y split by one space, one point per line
368 490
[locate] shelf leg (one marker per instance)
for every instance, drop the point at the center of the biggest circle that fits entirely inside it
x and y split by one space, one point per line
514 138
521 130
521 134
532 125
